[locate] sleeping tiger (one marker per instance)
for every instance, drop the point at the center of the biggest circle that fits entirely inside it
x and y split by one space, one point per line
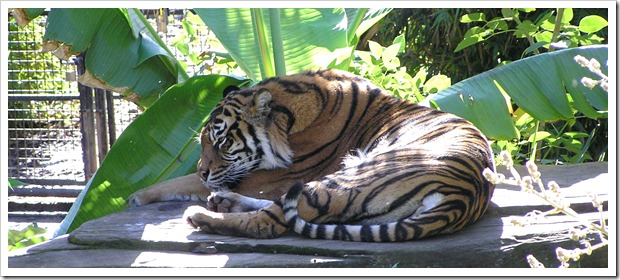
332 156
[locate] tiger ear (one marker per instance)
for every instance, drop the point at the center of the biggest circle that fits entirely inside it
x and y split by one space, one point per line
229 89
257 111
262 102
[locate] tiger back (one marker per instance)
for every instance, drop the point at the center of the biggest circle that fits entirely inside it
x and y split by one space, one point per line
351 162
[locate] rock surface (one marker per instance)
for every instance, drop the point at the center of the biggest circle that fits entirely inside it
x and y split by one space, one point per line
156 236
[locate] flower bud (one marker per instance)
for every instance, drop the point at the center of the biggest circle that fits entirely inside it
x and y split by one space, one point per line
581 60
604 86
526 184
531 167
505 158
589 83
553 186
595 64
534 263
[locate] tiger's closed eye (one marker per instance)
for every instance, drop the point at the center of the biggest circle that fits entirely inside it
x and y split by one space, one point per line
223 144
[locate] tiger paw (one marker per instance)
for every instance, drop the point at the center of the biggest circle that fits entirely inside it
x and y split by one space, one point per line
139 198
201 218
218 203
230 202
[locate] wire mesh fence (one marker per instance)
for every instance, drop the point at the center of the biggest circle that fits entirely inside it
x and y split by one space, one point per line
43 117
44 112
45 141
46 137
49 148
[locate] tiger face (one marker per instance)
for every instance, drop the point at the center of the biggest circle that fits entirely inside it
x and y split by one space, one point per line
240 137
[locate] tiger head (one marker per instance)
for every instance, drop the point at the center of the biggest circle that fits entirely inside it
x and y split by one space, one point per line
240 136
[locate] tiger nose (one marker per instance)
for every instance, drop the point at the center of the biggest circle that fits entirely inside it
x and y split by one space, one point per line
204 174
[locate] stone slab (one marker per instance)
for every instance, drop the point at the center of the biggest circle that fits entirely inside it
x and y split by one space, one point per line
155 235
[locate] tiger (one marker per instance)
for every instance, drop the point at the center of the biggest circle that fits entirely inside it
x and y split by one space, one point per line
329 155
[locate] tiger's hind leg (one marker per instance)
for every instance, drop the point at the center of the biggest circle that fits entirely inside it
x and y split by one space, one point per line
406 202
432 214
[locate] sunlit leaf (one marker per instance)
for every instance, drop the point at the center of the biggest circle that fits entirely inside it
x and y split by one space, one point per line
592 23
158 145
390 53
473 17
538 136
28 236
567 16
437 83
375 49
400 39
537 84
469 41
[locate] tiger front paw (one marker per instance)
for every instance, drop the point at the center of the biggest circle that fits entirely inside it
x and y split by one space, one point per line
231 202
201 218
218 203
139 198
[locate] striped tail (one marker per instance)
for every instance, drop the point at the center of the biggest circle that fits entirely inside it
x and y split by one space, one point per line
403 230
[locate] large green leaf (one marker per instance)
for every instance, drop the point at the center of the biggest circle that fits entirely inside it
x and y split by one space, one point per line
310 37
134 65
24 16
160 144
537 84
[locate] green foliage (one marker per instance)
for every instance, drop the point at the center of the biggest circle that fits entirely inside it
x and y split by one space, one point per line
303 39
484 99
28 236
434 33
25 43
488 38
382 66
15 183
534 84
188 41
575 140
541 33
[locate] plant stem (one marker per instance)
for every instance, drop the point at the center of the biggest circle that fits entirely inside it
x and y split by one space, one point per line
557 207
556 28
533 153
276 41
586 146
258 22
527 34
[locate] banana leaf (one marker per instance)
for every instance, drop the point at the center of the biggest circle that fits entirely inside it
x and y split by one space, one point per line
310 38
117 57
24 16
160 144
537 84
